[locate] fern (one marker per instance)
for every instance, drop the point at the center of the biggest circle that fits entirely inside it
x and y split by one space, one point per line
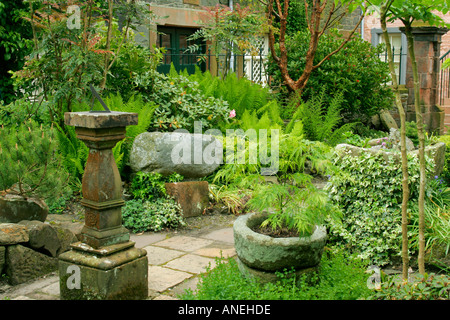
320 122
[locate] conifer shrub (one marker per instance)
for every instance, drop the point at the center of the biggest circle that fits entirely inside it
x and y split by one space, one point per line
30 163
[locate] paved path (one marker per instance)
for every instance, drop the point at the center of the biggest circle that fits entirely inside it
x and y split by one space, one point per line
175 261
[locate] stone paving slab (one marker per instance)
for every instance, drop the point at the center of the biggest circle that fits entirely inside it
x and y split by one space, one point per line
184 243
157 256
191 263
224 235
161 279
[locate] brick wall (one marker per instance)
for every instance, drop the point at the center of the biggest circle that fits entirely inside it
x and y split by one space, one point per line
373 21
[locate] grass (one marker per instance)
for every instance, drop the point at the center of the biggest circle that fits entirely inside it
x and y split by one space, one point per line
341 278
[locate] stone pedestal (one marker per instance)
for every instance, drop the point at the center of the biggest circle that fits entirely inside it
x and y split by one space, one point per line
105 264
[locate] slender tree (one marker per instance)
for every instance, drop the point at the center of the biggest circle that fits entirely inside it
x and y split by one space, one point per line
409 12
384 8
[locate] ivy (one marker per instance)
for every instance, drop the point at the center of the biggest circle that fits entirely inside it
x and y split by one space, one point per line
368 189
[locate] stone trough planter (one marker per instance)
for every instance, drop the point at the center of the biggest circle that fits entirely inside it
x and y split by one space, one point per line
261 256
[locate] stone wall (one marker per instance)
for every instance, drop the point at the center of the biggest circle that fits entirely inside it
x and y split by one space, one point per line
29 249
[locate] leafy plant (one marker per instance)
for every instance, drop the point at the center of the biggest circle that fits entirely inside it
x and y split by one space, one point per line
155 215
421 287
151 185
342 277
30 163
321 123
295 204
240 93
356 71
180 103
368 189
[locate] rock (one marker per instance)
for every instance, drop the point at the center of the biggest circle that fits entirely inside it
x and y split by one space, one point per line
437 153
66 237
11 233
387 120
24 264
192 196
392 142
15 208
43 237
2 258
191 155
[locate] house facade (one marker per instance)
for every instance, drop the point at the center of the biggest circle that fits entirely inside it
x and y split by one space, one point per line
432 45
177 20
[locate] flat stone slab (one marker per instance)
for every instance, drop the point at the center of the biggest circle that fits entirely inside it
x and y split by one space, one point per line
191 263
94 120
161 279
184 243
214 252
144 240
224 235
157 256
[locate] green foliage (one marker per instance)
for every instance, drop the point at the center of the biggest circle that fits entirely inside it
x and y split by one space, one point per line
30 163
421 287
320 122
356 71
240 93
15 45
446 172
368 189
437 219
180 103
231 31
297 205
139 215
74 154
151 185
341 278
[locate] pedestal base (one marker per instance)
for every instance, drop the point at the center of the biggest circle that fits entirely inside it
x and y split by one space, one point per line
116 272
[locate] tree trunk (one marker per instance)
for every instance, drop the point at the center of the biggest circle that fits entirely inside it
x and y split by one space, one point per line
421 135
401 111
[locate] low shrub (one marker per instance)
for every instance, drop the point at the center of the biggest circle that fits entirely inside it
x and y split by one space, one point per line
139 215
340 278
420 287
356 71
30 164
368 189
180 103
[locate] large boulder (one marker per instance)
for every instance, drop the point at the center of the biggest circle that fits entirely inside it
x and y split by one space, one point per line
15 208
191 155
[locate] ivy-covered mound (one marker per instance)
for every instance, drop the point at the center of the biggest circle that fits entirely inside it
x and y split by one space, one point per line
368 189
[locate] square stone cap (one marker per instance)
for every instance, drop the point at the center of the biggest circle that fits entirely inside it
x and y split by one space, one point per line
97 120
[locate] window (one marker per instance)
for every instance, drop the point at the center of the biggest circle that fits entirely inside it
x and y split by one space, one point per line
175 41
399 50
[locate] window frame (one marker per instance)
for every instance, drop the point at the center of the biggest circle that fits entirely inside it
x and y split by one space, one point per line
376 33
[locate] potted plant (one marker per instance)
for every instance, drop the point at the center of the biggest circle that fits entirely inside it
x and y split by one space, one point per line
286 228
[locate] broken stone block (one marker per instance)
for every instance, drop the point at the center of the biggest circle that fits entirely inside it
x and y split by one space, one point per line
192 196
24 264
14 208
43 237
11 233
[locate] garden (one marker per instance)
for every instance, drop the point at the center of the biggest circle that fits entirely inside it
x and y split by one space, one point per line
338 192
